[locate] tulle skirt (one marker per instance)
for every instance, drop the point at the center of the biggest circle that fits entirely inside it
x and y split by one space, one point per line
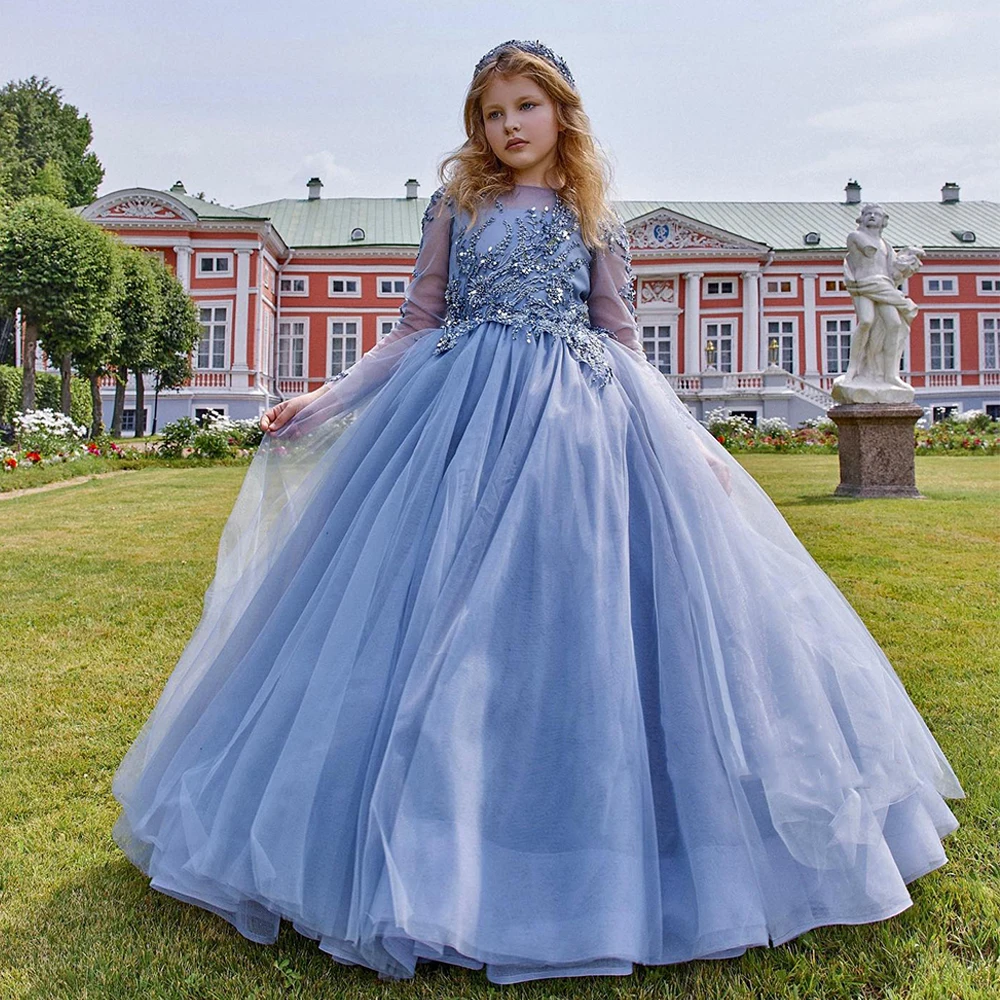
495 671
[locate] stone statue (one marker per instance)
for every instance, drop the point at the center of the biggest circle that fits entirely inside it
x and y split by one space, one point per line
872 270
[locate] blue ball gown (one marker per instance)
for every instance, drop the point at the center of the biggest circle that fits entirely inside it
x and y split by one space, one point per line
506 662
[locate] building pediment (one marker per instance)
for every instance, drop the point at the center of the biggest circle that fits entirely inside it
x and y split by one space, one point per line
670 231
139 206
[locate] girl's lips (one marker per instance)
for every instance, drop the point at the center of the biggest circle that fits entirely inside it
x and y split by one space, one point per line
517 145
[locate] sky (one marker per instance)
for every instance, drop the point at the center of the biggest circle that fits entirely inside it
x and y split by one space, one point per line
714 100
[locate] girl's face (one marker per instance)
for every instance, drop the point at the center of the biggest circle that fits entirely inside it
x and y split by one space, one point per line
521 127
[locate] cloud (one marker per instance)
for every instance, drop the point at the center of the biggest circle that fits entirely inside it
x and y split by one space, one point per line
323 165
904 32
913 107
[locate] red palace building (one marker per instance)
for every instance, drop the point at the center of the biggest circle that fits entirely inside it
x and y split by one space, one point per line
741 304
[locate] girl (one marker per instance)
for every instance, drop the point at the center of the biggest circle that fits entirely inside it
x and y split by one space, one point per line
506 661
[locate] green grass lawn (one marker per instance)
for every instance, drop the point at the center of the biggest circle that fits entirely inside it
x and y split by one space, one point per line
101 585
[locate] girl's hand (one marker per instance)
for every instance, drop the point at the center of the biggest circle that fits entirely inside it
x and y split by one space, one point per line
281 413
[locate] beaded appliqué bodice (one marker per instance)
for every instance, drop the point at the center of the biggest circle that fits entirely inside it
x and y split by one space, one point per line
529 270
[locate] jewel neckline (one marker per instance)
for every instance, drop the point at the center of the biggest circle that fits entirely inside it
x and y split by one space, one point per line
535 187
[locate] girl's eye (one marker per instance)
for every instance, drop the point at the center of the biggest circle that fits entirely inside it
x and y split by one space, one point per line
524 104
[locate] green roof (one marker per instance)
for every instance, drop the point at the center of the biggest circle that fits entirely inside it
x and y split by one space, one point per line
780 225
328 222
209 210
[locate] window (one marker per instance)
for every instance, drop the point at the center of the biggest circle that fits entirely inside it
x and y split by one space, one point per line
943 412
988 286
780 287
345 344
291 348
385 326
128 420
212 345
201 413
345 286
781 336
392 286
832 286
992 410
750 415
940 286
293 286
990 332
215 265
719 345
160 255
719 288
656 344
837 334
941 342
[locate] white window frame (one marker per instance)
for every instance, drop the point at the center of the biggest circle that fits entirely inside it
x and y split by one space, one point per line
981 289
717 280
733 338
132 410
928 278
279 336
393 278
793 333
214 256
222 304
792 278
332 321
380 323
219 407
356 278
291 293
839 319
986 319
839 293
657 323
956 329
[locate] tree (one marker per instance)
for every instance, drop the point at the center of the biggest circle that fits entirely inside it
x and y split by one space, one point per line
61 271
93 362
50 141
8 156
175 337
136 309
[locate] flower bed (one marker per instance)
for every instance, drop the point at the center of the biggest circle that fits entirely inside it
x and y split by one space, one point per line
972 432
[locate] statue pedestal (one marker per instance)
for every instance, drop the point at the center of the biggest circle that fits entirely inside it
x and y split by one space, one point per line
876 448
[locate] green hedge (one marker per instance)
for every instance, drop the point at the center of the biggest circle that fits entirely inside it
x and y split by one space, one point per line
47 395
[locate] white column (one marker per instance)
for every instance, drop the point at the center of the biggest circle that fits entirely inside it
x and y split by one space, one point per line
809 321
692 322
18 334
240 319
184 267
260 360
751 320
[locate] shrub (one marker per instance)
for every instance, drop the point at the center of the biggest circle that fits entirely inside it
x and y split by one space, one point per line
48 395
47 432
176 436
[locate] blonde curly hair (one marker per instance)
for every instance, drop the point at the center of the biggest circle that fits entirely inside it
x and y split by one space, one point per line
473 175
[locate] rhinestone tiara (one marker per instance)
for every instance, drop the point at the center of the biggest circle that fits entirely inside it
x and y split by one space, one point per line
536 48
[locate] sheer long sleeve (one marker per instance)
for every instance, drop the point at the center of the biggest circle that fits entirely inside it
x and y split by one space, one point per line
611 300
422 313
423 307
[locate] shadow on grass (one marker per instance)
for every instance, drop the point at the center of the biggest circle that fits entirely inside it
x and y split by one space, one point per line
108 934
